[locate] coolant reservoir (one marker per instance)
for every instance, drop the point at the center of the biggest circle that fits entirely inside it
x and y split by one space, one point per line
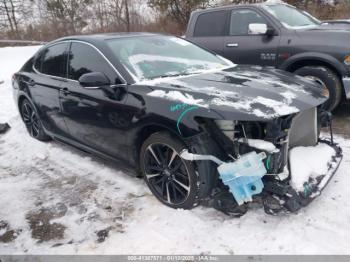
227 127
243 177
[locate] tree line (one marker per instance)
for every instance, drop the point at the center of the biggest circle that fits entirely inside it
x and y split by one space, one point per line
48 19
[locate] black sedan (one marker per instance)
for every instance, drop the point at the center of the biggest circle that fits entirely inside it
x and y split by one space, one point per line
198 128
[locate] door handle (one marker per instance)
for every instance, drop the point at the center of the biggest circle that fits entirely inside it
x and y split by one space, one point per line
232 45
65 91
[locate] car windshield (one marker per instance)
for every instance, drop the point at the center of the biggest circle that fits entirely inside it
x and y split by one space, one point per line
291 17
150 57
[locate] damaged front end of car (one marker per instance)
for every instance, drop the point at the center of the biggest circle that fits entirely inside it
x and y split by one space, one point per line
282 164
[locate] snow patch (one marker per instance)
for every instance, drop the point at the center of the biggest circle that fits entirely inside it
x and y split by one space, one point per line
178 96
279 107
223 101
289 96
306 162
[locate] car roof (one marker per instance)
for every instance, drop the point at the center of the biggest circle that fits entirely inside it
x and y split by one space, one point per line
95 38
230 6
98 41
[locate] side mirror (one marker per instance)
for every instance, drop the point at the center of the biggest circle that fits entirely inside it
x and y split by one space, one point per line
260 29
94 80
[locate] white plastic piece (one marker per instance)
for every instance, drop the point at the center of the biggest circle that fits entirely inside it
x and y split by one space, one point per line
259 144
194 157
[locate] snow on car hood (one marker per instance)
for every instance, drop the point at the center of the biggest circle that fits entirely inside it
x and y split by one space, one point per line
242 92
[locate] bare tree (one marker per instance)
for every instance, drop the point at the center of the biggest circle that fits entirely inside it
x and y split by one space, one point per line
127 15
120 14
101 14
69 15
178 10
9 10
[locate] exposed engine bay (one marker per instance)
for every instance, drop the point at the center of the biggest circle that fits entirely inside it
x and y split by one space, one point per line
254 161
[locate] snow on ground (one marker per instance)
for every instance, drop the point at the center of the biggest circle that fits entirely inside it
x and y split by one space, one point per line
56 200
11 60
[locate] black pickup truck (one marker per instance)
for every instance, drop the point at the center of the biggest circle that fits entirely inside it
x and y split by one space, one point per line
281 36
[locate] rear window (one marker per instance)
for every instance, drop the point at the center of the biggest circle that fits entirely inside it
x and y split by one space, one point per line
211 24
52 60
28 66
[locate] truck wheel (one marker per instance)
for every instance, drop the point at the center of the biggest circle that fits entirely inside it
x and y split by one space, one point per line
328 80
172 180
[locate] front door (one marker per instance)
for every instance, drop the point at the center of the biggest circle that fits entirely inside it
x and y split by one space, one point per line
241 47
93 116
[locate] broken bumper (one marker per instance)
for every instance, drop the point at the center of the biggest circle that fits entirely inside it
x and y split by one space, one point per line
281 197
277 196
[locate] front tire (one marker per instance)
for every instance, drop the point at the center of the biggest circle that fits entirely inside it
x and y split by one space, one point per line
32 121
172 180
329 81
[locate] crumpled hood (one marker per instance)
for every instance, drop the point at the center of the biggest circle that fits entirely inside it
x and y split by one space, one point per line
242 92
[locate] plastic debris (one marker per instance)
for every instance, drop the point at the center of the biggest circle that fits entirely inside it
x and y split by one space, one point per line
4 128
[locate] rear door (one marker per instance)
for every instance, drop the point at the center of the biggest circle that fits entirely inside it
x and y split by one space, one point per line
241 47
209 30
50 72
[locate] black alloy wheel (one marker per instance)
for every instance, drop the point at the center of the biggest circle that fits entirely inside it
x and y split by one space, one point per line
32 121
167 174
170 178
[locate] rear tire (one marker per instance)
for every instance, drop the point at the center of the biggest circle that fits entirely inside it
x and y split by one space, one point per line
172 180
328 79
32 121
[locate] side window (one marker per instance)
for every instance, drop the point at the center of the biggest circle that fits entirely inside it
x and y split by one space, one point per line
28 66
85 59
211 24
52 60
240 20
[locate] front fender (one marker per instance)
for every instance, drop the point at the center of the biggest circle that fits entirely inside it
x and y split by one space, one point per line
174 115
